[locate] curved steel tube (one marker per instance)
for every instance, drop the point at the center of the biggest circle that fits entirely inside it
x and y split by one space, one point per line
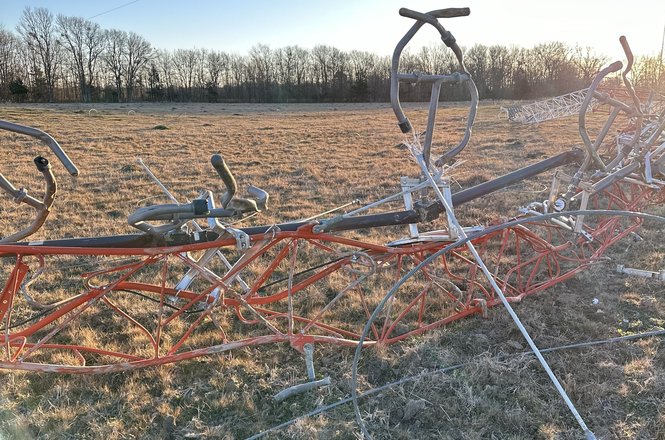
47 139
20 195
42 208
593 154
437 80
447 156
429 17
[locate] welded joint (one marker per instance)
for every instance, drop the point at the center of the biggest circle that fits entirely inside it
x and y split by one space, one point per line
311 376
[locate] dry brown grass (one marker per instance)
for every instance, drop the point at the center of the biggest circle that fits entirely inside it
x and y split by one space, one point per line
311 158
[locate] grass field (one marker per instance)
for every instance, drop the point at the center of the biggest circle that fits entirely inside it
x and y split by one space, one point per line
311 158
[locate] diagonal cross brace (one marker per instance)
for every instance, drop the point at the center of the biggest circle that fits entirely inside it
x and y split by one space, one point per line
454 224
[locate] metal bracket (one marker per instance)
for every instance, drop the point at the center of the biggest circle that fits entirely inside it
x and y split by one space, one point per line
579 220
450 216
242 239
660 275
408 185
550 204
648 177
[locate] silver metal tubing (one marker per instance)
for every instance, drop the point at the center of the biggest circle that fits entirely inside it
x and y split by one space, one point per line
47 139
402 120
42 208
387 199
614 67
301 388
473 108
156 180
176 214
421 19
490 278
431 120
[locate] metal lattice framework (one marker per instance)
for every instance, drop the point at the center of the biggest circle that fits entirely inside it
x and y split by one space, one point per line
178 290
552 108
571 103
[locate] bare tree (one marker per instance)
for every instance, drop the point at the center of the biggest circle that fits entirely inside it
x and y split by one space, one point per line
164 64
184 65
94 41
499 71
239 74
321 68
329 64
201 70
552 61
379 79
283 63
477 65
261 68
523 72
37 27
290 64
137 55
217 64
434 58
645 72
83 40
62 56
361 64
113 56
587 63
10 64
301 63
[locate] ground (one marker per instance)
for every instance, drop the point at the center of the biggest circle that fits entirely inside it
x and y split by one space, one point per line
312 158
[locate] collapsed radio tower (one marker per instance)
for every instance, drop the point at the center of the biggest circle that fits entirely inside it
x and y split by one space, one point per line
571 103
551 108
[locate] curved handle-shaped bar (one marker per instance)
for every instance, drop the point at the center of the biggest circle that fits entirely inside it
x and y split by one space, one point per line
636 101
219 164
47 139
593 154
42 208
449 155
431 18
448 39
261 196
624 74
437 13
175 215
436 80
239 205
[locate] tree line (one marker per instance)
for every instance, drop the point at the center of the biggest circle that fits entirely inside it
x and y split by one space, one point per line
51 58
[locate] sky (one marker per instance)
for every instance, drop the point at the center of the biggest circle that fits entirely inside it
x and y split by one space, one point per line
372 25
